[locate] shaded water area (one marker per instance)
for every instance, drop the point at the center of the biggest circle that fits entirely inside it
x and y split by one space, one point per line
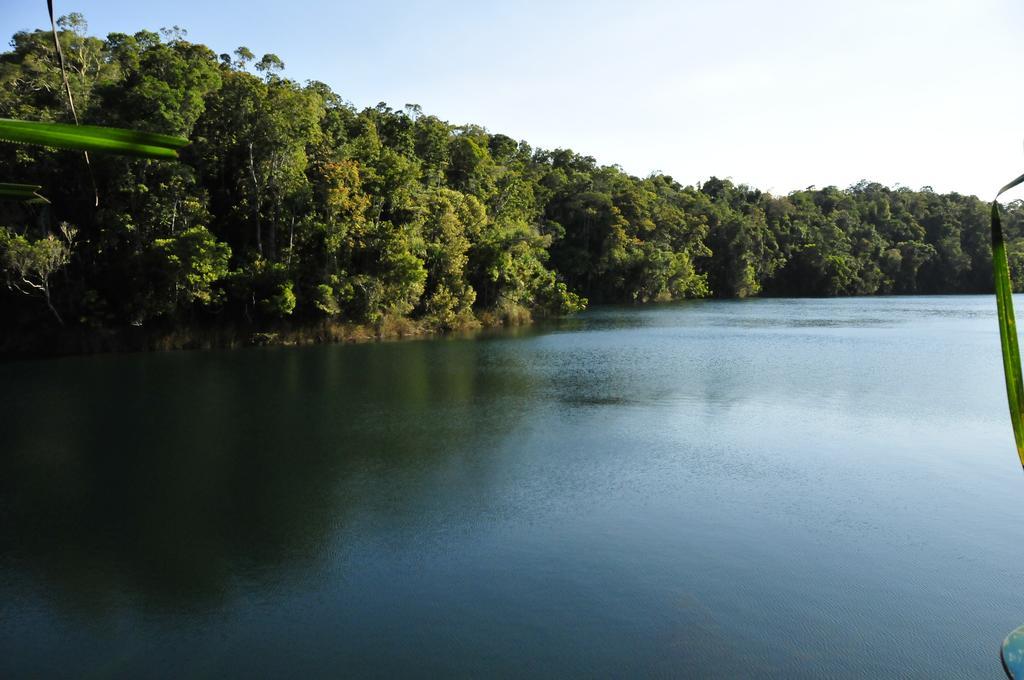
781 488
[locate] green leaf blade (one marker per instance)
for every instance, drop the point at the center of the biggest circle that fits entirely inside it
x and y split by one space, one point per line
28 193
92 138
1008 324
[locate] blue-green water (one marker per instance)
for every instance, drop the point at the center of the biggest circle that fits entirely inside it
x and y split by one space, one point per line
772 488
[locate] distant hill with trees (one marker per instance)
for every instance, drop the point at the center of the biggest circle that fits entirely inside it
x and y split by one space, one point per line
292 209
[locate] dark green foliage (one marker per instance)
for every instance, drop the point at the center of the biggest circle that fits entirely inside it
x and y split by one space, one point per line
290 204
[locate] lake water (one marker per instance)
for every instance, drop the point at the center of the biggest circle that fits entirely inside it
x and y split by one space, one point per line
766 488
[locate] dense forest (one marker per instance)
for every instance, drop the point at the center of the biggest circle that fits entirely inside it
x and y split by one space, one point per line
293 209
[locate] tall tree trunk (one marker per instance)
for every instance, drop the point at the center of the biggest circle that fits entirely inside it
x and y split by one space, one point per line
256 207
291 240
272 229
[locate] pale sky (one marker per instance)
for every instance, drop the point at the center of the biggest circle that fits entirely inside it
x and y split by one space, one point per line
780 95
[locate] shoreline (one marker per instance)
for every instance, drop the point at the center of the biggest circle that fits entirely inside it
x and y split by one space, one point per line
79 341
86 342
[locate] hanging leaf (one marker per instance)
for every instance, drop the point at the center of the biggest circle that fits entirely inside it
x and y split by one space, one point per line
1007 323
91 138
29 193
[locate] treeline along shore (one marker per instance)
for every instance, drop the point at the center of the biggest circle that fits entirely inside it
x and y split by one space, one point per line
293 216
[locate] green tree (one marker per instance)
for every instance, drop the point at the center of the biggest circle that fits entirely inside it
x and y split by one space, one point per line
192 263
31 264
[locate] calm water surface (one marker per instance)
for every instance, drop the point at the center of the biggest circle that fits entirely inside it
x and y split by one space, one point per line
798 488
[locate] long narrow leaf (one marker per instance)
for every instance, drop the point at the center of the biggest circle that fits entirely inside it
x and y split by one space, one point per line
91 138
1008 324
28 193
